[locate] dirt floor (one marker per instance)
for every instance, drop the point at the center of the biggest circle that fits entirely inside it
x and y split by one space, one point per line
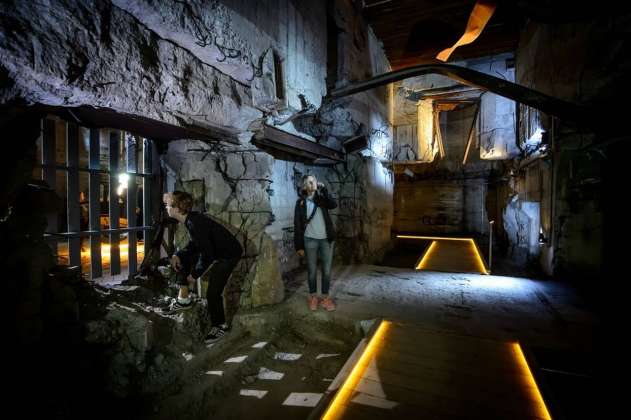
308 374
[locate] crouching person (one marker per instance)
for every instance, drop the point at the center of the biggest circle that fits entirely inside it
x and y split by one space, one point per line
212 249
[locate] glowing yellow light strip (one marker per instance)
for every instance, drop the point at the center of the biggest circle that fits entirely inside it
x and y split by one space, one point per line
530 383
432 238
338 405
481 265
479 260
420 265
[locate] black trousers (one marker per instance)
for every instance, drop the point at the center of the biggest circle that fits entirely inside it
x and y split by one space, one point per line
218 275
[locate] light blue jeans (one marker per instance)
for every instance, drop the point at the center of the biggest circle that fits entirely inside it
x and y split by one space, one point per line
324 248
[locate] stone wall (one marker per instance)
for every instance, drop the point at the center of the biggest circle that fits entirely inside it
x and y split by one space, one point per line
583 65
225 64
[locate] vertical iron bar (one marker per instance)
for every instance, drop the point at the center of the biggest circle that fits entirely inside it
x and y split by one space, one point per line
95 203
73 207
146 193
132 257
491 244
49 171
115 262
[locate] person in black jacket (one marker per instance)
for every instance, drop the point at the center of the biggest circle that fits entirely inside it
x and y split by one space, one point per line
212 247
314 235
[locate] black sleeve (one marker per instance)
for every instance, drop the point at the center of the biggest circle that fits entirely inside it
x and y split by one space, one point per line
324 200
206 245
299 240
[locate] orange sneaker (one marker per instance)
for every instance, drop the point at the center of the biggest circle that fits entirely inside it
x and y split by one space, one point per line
327 303
313 303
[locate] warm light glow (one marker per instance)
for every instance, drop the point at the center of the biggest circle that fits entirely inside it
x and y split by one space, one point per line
480 16
391 100
529 383
427 148
123 179
63 255
338 405
480 262
425 258
123 182
432 238
481 265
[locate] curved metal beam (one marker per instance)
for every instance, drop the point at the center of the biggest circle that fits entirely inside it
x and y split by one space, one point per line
565 110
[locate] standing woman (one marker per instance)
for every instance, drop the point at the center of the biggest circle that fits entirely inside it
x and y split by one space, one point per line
314 235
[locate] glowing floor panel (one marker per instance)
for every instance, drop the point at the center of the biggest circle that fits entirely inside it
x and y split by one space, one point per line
459 255
405 371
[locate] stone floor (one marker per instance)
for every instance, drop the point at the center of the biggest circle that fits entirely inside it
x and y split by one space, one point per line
535 312
547 317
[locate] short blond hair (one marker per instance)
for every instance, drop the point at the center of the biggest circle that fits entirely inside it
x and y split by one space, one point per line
182 201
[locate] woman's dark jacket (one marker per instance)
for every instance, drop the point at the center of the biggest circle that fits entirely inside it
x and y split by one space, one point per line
210 241
323 200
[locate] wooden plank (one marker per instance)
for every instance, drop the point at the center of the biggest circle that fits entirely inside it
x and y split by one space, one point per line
445 372
132 258
73 208
49 173
298 143
475 367
416 343
114 211
453 256
94 203
482 390
429 207
448 404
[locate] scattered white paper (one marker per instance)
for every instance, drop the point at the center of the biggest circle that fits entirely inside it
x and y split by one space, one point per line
215 372
365 399
123 288
323 355
259 345
118 305
209 345
188 356
287 356
237 359
265 373
103 292
252 393
303 399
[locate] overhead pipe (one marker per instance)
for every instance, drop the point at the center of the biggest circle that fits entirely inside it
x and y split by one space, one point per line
567 111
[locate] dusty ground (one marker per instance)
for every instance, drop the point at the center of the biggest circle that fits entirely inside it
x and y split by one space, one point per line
546 317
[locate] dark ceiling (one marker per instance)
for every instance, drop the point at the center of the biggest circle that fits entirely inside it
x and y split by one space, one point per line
415 31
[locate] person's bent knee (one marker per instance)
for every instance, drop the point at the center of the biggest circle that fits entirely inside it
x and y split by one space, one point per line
181 278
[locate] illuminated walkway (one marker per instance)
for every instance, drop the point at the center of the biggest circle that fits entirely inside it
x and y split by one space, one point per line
451 337
405 371
456 255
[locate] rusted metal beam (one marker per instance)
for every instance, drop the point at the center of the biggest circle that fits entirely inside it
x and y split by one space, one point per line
271 137
92 117
548 104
